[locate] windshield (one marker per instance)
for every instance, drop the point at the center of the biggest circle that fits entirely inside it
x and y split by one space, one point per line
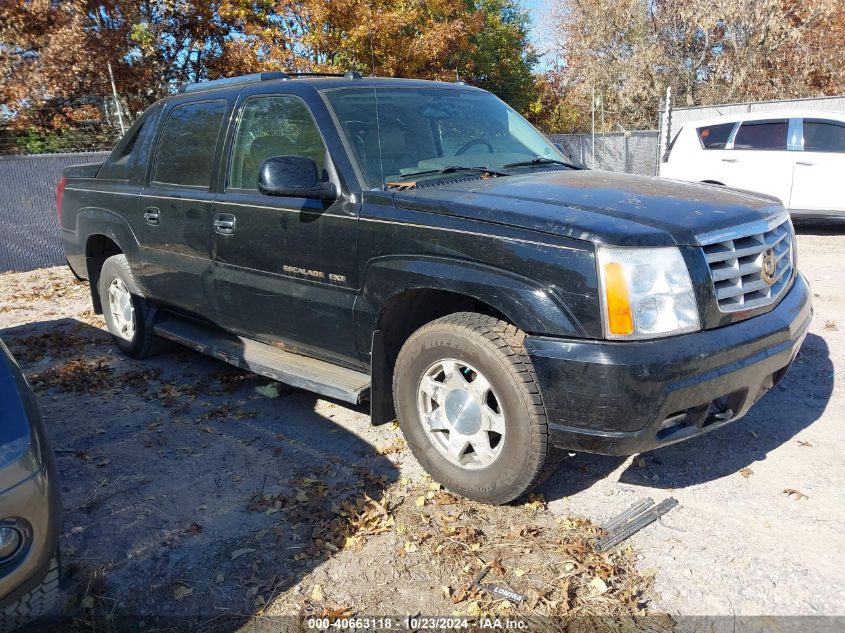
429 129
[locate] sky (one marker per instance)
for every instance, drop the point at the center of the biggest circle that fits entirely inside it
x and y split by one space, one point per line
537 9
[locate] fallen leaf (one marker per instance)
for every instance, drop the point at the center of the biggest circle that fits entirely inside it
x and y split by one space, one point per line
241 552
268 391
804 443
519 573
317 593
795 494
599 585
420 502
410 548
340 613
182 592
535 502
746 472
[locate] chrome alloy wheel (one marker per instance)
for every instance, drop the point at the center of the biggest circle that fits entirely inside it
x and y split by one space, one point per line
122 310
461 414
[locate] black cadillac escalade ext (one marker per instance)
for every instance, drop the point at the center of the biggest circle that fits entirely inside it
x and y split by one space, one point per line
420 245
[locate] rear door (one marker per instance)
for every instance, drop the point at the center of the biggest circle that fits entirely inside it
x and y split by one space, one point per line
175 223
285 268
760 158
819 169
708 164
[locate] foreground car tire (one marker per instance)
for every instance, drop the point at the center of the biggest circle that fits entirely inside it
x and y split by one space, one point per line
37 603
128 315
470 408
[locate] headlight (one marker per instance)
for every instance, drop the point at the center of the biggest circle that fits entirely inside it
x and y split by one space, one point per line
646 293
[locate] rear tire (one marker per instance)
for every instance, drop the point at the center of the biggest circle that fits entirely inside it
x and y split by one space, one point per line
470 408
37 603
129 316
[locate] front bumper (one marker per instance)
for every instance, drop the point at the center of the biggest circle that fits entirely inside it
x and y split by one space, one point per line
29 493
33 503
622 398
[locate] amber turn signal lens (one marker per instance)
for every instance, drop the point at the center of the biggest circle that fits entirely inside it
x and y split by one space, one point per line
620 321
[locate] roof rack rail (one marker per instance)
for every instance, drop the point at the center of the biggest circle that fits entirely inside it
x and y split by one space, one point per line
228 82
242 80
306 73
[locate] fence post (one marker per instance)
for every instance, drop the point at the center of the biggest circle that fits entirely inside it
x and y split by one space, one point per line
627 154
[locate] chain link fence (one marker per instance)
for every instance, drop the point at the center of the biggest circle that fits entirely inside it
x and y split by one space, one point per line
628 152
30 234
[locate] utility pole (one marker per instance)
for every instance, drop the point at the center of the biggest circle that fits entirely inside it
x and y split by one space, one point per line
116 102
593 135
666 127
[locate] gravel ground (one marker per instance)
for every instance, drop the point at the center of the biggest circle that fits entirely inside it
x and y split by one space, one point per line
181 478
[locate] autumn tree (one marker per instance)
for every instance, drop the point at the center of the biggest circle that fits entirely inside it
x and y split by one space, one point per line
54 53
629 51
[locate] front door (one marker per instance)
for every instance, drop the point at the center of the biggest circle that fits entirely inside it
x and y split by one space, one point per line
175 223
817 179
284 268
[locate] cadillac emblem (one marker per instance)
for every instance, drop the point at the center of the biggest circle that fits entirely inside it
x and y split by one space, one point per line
769 265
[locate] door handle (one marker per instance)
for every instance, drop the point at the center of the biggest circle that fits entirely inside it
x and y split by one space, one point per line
806 163
730 160
224 223
151 216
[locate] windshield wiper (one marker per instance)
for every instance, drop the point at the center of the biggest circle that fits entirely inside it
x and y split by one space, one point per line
451 170
542 161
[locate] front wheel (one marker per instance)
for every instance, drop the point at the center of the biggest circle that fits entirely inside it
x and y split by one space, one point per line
470 408
37 603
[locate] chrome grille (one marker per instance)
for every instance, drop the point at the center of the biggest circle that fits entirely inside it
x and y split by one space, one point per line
750 265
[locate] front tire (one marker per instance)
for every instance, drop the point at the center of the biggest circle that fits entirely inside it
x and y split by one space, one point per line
129 316
470 408
37 603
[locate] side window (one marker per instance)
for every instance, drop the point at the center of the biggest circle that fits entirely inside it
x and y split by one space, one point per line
762 135
186 150
273 126
824 136
715 136
121 163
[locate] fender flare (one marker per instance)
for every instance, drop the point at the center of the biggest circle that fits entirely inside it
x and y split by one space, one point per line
95 221
526 304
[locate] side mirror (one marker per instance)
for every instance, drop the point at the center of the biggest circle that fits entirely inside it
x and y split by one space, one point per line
294 177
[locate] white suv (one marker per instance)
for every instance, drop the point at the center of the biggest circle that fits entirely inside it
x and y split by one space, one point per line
796 156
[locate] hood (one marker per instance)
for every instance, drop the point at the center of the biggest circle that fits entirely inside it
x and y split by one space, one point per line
602 207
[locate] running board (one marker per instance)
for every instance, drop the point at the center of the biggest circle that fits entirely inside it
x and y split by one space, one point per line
300 371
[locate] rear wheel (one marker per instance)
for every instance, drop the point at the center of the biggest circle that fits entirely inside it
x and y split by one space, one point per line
470 408
128 315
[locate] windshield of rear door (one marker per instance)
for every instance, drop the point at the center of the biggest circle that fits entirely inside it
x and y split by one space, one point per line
394 132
